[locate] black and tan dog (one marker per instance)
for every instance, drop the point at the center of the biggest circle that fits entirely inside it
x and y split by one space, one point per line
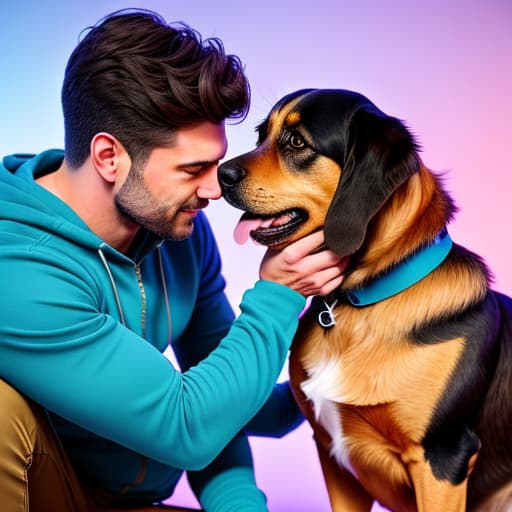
405 372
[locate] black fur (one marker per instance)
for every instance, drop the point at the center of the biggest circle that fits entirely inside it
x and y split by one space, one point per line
451 439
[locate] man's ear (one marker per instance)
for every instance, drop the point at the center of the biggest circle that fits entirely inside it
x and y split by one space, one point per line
108 156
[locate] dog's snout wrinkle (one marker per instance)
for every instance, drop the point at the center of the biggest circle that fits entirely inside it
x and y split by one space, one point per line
263 194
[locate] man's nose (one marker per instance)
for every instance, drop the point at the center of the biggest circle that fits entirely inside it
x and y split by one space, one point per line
210 187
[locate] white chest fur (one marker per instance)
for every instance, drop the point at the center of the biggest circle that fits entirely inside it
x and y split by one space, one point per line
323 382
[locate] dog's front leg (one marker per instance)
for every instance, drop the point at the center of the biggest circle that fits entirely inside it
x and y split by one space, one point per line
440 468
433 495
346 494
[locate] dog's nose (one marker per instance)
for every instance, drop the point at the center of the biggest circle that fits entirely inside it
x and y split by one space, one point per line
230 174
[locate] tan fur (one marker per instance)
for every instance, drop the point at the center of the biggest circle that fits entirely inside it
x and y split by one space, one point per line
386 385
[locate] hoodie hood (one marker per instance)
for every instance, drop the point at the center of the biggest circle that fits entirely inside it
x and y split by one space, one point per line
23 201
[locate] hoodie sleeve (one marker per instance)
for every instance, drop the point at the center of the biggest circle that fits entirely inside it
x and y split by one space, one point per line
228 483
279 416
60 349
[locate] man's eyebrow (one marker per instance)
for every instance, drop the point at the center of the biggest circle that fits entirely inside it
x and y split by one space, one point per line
198 163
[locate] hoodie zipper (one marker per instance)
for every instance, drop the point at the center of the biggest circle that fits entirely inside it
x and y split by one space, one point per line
140 284
138 273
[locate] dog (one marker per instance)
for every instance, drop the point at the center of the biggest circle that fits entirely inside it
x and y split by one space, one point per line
405 371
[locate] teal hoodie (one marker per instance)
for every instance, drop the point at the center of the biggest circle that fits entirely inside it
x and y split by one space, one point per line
82 332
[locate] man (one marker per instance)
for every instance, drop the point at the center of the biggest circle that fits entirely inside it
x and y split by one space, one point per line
106 258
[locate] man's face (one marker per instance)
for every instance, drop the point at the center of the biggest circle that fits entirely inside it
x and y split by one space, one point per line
166 194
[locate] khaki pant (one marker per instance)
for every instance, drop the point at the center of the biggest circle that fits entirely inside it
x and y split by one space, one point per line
35 472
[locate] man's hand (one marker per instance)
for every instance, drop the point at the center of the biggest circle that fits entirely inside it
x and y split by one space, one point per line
308 274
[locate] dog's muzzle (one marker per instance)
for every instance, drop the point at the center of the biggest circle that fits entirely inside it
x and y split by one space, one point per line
267 227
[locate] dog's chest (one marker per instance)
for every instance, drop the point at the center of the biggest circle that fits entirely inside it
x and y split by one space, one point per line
320 384
357 380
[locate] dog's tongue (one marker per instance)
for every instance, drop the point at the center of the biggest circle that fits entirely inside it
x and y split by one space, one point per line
244 228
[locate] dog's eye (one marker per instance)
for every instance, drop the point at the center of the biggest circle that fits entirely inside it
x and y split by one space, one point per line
296 140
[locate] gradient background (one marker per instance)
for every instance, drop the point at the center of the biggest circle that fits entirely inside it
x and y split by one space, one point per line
445 67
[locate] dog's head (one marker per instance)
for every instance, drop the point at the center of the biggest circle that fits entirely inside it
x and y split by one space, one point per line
326 159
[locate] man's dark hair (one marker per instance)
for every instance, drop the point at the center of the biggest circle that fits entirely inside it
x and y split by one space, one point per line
140 79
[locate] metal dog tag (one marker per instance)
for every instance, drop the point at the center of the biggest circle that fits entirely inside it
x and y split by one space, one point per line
326 319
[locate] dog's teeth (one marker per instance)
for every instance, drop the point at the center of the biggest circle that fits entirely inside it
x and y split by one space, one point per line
283 219
267 223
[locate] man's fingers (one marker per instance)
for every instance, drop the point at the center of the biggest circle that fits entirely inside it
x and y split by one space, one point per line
301 248
320 283
326 259
299 267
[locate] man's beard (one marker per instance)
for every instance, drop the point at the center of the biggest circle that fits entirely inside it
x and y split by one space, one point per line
136 203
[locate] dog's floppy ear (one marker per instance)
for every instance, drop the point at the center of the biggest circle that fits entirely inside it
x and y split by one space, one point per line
380 154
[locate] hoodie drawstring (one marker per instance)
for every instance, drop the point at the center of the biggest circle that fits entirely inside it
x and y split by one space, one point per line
113 284
166 295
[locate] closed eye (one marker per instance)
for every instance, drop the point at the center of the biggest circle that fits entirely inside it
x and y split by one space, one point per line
197 168
194 170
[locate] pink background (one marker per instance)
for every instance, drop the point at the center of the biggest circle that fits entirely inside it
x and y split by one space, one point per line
445 67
